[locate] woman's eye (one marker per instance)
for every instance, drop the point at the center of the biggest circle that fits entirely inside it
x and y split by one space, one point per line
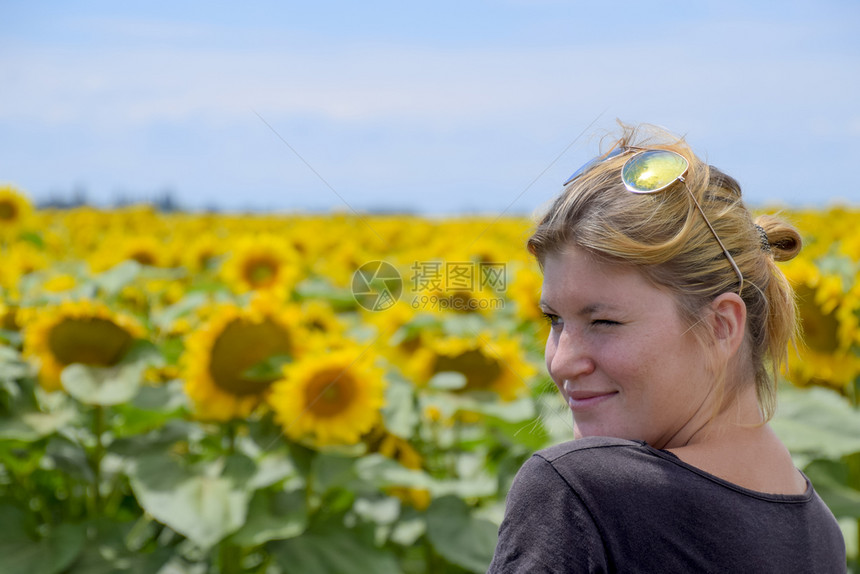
552 319
604 322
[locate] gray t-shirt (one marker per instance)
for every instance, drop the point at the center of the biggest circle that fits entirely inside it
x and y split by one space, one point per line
611 505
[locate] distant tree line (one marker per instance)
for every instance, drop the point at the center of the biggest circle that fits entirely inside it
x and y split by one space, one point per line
164 201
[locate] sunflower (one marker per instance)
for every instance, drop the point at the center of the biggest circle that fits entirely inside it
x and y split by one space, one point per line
59 282
121 245
262 263
495 365
19 260
15 208
321 323
525 292
231 361
329 398
145 249
202 252
828 317
340 264
84 332
460 300
399 449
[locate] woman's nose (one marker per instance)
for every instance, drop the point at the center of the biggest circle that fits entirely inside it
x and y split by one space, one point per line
569 357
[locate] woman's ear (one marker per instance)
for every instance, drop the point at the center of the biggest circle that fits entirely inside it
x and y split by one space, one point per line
728 321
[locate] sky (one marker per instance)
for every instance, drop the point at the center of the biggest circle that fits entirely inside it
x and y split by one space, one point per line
440 107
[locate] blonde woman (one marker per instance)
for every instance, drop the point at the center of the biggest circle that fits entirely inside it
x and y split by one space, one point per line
669 321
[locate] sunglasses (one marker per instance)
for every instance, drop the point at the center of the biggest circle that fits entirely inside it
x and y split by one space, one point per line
652 171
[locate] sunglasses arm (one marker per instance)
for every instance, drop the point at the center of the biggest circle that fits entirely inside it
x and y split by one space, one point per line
717 237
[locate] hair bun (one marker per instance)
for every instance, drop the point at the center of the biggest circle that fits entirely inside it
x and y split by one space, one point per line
784 240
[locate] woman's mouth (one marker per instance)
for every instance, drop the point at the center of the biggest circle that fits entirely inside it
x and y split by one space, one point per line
582 400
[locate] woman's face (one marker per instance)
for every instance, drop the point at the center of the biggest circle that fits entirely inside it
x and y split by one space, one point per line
618 351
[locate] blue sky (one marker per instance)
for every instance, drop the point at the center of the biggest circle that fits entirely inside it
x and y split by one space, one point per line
442 107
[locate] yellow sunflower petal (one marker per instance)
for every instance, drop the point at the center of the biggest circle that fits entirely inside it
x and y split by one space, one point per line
329 398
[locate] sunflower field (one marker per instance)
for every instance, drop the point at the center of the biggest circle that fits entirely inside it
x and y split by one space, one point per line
295 393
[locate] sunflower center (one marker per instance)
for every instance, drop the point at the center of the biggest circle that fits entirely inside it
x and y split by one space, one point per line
820 330
8 211
463 302
143 257
241 345
330 392
205 258
480 370
91 341
260 272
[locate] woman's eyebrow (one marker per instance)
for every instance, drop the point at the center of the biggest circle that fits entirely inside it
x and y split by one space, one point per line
586 310
596 308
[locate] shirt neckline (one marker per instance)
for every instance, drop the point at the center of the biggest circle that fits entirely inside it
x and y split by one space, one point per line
769 496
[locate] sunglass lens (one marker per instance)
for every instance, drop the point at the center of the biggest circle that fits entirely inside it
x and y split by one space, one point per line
653 170
591 163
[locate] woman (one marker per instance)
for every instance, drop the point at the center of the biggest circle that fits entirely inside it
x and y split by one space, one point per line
669 321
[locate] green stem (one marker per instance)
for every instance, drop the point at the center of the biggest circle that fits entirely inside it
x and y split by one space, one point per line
230 430
429 556
310 503
98 455
231 558
855 395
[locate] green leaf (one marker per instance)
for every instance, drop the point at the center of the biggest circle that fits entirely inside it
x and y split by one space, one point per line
69 458
21 458
50 554
816 423
463 325
184 306
107 386
12 337
172 349
320 289
459 537
143 352
152 407
34 425
332 471
118 277
383 472
377 509
334 551
268 369
205 502
509 411
832 482
273 516
99 559
400 413
447 381
102 385
107 550
155 442
33 238
274 467
12 366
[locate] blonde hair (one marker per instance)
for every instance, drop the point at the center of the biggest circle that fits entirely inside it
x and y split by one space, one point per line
665 237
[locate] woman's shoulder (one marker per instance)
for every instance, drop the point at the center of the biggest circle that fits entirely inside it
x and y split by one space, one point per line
614 447
606 452
608 464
